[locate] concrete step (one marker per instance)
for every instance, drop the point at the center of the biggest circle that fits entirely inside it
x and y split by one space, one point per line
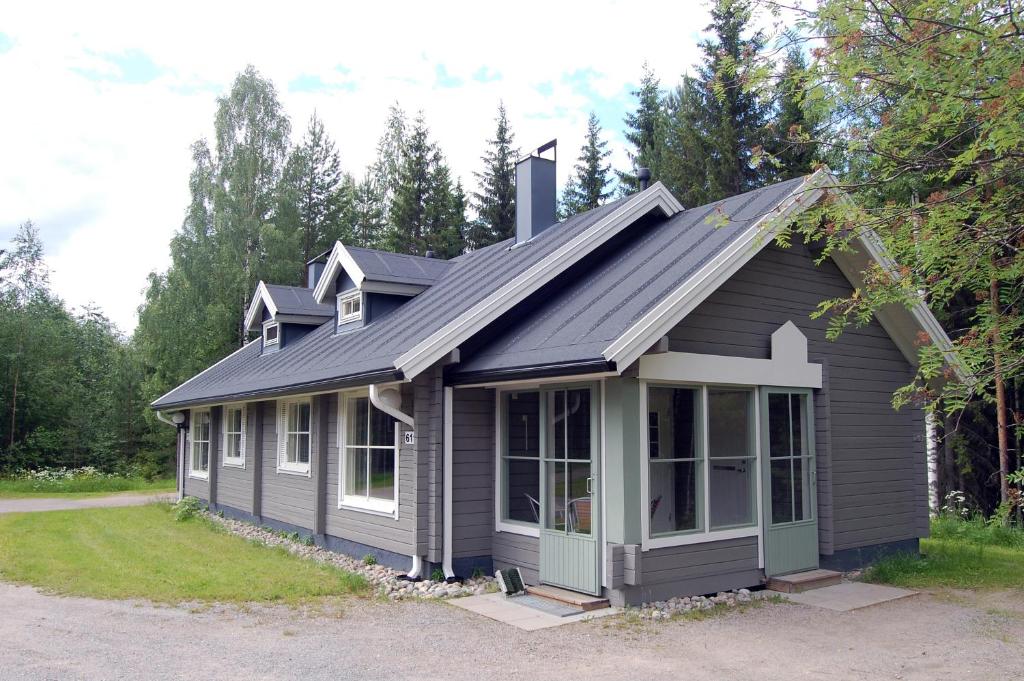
584 602
804 581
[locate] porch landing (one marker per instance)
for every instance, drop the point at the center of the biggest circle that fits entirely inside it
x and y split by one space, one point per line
584 602
497 607
804 581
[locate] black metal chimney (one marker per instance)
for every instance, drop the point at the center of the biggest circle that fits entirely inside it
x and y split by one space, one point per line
643 176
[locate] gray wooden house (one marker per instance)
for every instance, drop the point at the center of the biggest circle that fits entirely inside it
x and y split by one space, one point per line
632 403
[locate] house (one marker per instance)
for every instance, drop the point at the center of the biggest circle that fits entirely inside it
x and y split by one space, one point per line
633 403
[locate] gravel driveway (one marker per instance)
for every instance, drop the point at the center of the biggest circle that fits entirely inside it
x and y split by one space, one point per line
925 637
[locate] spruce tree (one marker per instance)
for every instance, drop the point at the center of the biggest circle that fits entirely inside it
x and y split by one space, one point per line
791 141
642 131
684 148
495 203
368 221
588 187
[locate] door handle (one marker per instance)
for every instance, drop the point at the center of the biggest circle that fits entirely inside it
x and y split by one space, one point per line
588 486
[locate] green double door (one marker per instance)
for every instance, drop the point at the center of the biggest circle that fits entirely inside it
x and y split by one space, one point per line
789 481
570 503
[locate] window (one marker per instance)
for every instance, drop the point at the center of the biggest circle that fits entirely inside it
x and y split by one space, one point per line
293 433
369 460
701 460
234 435
199 461
271 333
791 457
350 307
520 458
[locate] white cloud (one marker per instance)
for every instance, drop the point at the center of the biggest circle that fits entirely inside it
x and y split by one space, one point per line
100 162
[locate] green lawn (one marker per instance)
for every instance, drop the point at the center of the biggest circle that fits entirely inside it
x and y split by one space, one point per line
143 552
80 487
954 563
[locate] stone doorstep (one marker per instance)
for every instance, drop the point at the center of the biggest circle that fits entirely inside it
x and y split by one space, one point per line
584 602
804 581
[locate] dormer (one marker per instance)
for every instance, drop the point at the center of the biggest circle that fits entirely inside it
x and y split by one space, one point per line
284 314
362 284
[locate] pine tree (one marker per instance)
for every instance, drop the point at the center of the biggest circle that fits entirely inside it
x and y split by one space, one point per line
587 188
413 192
495 203
791 135
642 131
387 169
683 147
368 223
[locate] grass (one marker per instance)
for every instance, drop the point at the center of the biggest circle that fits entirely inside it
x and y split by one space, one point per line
80 487
961 554
142 552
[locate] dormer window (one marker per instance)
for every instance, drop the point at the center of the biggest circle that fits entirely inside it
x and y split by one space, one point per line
271 333
350 307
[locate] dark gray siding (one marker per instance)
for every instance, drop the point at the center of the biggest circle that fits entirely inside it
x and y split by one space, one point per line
872 483
691 570
515 550
234 484
194 487
380 531
472 472
286 497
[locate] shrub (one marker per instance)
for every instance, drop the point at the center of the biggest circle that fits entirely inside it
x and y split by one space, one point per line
187 508
369 559
437 575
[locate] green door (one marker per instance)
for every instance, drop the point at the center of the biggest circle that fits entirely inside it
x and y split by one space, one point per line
788 481
569 500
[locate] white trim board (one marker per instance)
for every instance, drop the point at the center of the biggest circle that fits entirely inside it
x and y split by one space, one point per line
470 322
259 300
340 259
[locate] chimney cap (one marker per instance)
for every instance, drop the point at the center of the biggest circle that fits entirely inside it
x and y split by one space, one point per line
643 176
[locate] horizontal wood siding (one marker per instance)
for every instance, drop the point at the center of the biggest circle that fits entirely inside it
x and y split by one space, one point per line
380 531
872 482
472 472
287 498
428 415
234 483
515 550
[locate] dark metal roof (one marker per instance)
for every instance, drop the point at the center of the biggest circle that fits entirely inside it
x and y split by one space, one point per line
574 325
297 300
324 357
398 267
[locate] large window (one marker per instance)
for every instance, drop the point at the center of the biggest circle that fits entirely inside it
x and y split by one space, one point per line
199 434
369 457
520 458
293 431
701 460
234 435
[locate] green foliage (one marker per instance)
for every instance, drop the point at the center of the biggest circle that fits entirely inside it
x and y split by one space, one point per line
588 186
187 508
369 559
495 203
437 575
86 481
477 573
140 552
642 127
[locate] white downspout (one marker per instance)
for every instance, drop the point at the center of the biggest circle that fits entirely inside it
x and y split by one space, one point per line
160 417
389 401
179 461
446 556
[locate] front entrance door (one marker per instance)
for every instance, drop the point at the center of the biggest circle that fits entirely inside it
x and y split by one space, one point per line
570 501
788 481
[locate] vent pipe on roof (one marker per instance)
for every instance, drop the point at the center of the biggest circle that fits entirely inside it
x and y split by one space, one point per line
535 192
643 176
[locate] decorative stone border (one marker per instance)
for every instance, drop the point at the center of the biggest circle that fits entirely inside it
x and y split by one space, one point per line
384 579
663 610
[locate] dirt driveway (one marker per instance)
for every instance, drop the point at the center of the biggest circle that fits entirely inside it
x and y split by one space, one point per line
924 637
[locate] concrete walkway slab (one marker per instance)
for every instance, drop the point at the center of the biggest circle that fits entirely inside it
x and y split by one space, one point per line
849 596
497 607
35 504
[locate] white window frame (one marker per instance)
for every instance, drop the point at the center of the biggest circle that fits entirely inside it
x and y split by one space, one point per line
283 465
226 458
346 298
500 523
365 504
703 534
193 472
276 340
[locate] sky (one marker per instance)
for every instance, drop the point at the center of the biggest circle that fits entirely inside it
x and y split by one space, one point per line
101 101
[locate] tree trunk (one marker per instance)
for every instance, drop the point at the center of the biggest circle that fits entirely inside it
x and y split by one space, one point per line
997 363
14 404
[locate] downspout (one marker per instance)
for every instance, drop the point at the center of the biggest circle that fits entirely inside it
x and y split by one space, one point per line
389 401
446 555
179 461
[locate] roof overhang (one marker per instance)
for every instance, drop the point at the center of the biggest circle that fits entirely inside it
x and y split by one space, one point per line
470 322
901 323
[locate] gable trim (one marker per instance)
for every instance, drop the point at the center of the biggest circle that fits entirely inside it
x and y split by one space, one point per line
259 300
340 259
472 321
210 368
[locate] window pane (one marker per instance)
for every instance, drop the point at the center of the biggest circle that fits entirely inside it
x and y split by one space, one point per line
778 424
355 472
204 456
522 482
556 425
730 426
678 420
782 491
234 446
291 448
579 505
303 412
555 495
802 488
382 474
732 492
797 431
234 420
356 421
674 500
302 448
522 424
578 423
382 428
